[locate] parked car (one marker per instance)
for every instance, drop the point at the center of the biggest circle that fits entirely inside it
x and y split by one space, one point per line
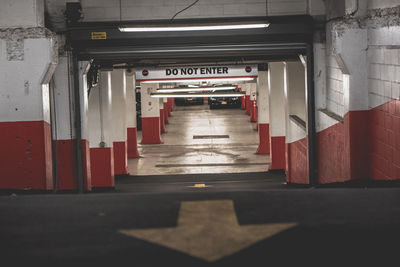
189 101
225 102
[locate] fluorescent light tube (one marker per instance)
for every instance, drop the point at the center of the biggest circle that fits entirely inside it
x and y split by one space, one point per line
167 28
199 80
192 89
183 95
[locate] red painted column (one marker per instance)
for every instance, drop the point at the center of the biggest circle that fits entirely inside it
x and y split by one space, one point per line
64 140
151 127
243 98
167 111
263 113
132 143
102 165
248 104
263 137
100 133
162 120
118 121
151 131
253 113
277 115
131 123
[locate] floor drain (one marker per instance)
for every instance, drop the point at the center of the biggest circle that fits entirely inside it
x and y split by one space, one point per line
210 136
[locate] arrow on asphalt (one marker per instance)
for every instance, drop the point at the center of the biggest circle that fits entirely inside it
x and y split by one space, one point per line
208 230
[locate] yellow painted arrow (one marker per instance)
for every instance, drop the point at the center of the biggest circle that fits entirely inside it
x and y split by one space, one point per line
208 230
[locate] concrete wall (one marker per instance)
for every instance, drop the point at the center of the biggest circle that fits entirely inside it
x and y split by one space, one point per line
110 10
365 45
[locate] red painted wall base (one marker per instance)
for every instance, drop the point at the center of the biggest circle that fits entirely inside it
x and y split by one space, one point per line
162 121
263 137
248 105
277 153
120 158
65 156
296 162
167 112
151 130
25 155
385 141
132 143
102 167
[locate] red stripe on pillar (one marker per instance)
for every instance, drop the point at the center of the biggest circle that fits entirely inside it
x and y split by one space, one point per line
277 153
25 155
167 112
87 183
248 105
243 102
102 166
120 158
151 130
132 143
296 162
66 171
253 111
263 137
162 121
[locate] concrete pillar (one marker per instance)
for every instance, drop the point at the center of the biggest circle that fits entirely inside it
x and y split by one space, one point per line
150 115
253 102
131 122
296 117
118 121
100 133
243 98
276 115
248 92
162 115
25 56
167 110
63 125
263 113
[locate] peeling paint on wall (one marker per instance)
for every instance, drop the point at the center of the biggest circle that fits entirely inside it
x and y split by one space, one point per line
15 37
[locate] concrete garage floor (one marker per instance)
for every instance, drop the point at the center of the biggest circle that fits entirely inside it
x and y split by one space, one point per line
237 219
207 152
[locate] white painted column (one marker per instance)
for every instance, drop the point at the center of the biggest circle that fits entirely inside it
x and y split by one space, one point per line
253 102
131 122
247 87
100 133
63 125
162 115
167 110
150 114
296 117
263 113
277 115
25 57
118 121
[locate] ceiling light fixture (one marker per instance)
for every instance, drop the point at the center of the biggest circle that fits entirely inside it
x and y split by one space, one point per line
199 80
198 27
194 89
183 95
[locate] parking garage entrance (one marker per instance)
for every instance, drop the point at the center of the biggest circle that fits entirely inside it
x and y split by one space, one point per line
200 138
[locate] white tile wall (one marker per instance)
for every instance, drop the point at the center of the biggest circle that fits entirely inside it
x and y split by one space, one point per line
334 94
383 71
